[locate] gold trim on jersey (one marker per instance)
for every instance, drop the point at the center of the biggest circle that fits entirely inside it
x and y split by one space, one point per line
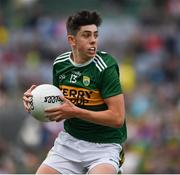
82 96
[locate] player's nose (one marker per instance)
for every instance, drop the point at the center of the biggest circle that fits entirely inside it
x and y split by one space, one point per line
93 40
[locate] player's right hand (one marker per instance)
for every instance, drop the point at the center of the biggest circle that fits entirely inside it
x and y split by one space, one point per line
26 98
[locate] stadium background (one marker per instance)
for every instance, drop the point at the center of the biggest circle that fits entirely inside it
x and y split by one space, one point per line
144 35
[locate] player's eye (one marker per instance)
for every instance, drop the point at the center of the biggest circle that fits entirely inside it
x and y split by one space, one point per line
96 35
86 35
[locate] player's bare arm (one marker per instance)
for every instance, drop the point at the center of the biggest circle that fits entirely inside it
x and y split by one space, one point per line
113 117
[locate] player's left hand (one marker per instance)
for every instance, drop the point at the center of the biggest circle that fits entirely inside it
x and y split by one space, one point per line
61 112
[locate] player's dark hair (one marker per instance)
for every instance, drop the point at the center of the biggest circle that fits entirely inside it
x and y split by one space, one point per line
82 18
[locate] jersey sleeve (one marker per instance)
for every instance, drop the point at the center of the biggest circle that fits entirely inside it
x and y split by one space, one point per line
110 82
55 77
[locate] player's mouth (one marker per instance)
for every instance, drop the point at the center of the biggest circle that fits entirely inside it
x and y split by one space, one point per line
92 50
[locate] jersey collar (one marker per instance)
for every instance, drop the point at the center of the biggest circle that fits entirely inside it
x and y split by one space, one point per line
79 65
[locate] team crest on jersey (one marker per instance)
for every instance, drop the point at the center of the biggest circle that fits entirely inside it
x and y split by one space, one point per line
86 80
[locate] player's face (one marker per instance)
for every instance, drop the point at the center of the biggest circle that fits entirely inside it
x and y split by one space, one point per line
86 41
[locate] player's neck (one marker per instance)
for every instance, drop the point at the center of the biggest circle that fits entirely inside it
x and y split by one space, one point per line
78 59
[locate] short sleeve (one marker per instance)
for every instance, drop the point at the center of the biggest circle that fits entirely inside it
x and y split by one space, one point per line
110 82
55 78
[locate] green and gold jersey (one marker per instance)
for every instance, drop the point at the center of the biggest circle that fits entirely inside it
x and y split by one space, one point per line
86 86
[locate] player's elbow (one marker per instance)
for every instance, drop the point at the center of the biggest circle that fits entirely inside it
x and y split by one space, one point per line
118 122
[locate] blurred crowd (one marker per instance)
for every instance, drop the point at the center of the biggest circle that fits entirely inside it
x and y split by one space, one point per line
144 36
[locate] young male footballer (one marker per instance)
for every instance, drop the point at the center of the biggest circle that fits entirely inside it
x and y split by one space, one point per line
93 109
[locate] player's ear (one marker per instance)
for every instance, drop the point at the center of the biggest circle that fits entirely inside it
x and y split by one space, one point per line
71 40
